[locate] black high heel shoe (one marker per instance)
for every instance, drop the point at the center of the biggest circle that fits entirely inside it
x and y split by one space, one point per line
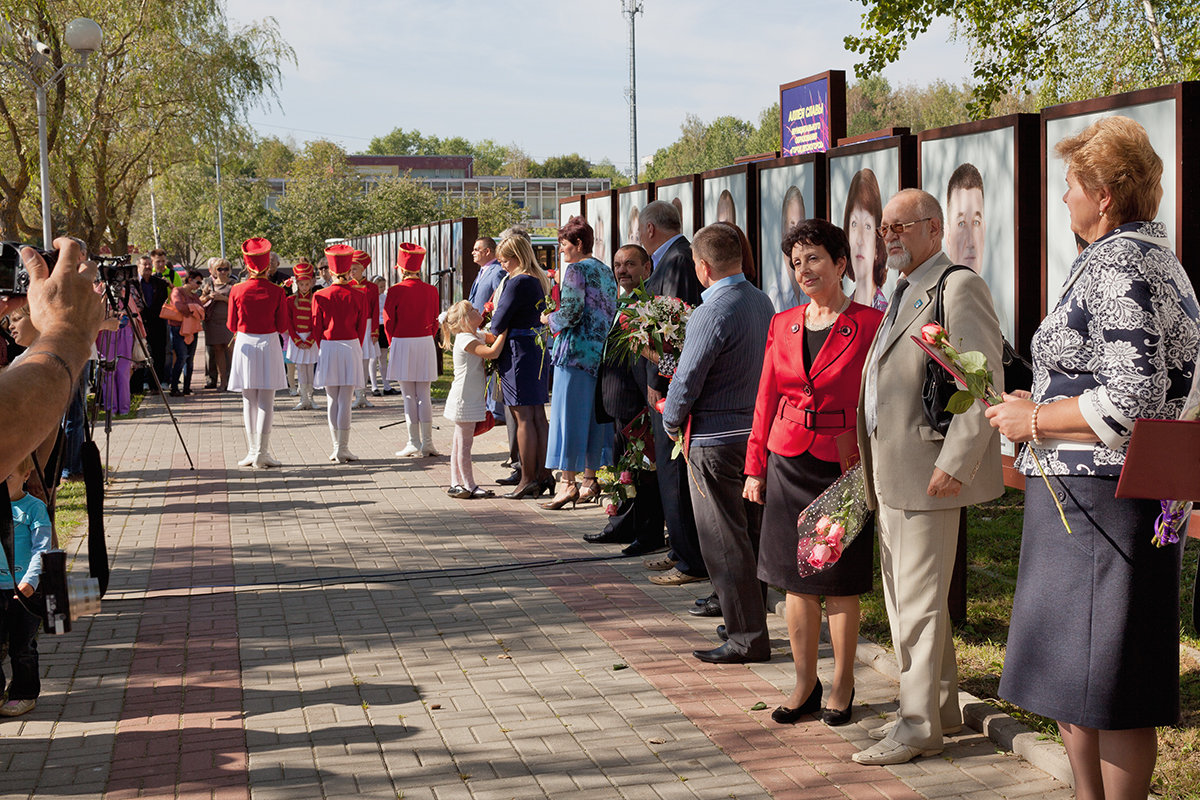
839 716
531 489
790 716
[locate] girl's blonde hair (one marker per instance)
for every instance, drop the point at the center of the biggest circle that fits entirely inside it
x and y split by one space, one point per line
455 321
519 249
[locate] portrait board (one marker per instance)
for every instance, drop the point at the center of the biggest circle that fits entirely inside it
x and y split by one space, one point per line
1159 111
630 202
789 190
571 207
680 192
598 211
726 196
460 259
973 176
862 178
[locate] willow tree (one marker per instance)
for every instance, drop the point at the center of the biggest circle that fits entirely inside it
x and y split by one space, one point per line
170 76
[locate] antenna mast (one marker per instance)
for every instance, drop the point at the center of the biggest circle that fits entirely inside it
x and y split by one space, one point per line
631 8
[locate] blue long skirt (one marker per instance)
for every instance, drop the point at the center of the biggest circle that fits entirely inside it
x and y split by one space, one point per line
577 442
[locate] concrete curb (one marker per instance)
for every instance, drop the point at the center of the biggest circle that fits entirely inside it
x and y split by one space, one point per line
1004 731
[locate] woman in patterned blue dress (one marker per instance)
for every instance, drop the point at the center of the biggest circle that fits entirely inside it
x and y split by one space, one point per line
1094 636
578 443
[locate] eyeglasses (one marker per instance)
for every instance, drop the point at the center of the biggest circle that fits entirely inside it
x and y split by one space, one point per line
898 227
222 269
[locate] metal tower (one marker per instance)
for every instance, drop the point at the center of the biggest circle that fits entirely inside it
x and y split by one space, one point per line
631 8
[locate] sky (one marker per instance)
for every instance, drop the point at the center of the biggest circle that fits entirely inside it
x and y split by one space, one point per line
551 77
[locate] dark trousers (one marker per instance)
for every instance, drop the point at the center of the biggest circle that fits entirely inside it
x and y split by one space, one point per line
640 518
156 346
73 422
182 365
677 502
729 527
18 632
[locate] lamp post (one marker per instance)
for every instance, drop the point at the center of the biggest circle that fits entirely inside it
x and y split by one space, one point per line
84 37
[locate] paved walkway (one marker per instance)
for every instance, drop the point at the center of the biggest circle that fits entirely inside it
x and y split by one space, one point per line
322 631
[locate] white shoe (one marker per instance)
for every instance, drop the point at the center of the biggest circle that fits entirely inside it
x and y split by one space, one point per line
413 448
884 731
889 752
15 708
427 448
343 447
337 445
265 459
306 398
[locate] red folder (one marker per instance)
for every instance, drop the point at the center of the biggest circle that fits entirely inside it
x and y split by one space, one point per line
1163 461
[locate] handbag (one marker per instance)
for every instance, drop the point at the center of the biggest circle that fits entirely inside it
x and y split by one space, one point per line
939 384
486 424
1018 372
170 313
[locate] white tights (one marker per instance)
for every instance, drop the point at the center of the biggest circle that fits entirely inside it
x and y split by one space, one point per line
304 373
461 471
340 398
416 401
381 363
258 410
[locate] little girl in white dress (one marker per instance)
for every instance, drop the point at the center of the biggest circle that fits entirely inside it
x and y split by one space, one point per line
465 402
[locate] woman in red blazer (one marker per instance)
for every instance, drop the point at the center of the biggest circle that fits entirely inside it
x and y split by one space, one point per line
807 398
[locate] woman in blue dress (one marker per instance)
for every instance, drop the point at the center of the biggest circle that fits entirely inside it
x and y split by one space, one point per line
524 367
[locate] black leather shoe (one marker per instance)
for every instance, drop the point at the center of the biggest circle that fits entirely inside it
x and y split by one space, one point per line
702 600
725 654
839 716
722 633
642 548
603 537
790 716
711 608
511 480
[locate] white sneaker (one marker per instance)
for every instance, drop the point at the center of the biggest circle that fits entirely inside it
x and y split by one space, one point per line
15 708
884 731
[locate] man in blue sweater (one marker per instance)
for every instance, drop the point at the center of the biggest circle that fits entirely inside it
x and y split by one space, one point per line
715 384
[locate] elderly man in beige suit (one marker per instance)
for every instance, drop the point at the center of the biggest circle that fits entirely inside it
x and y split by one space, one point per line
917 479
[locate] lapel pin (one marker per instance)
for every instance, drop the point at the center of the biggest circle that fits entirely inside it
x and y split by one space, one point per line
917 304
795 327
844 330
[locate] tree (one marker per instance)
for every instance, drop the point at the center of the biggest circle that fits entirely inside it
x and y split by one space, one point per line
572 166
397 203
1059 48
168 76
767 138
606 169
488 156
323 200
702 147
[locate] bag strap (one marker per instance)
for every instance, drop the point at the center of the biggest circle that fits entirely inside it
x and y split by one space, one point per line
938 310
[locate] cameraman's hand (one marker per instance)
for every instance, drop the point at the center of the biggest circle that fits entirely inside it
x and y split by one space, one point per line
63 304
25 589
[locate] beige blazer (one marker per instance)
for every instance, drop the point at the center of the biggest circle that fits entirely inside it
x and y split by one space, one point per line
898 463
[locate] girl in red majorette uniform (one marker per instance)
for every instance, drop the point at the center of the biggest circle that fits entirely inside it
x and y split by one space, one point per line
302 343
370 347
340 319
258 313
410 312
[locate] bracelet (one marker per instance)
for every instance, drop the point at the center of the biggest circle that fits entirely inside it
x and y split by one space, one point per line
1037 439
59 359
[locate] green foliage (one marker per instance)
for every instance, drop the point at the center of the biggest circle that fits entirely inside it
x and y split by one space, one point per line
489 156
169 74
572 166
1060 49
606 169
704 146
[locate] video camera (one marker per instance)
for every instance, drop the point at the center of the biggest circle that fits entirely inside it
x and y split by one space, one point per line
65 597
14 278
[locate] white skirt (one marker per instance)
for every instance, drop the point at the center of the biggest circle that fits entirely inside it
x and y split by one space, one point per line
340 364
299 355
257 362
412 358
370 344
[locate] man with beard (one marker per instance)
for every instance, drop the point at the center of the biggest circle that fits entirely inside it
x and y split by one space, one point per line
919 480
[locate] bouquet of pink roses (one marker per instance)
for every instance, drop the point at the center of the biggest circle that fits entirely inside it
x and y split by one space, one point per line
831 523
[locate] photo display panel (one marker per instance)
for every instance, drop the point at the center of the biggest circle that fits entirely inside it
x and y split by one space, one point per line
630 202
789 191
597 210
681 192
726 197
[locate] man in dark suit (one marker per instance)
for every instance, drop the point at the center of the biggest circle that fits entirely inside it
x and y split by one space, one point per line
674 276
152 291
638 522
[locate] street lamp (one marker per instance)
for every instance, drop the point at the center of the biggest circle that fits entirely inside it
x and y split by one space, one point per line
84 37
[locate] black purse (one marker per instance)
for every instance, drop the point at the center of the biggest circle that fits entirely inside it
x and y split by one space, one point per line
939 384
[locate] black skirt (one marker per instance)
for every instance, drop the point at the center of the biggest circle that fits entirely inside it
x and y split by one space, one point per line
1094 638
792 483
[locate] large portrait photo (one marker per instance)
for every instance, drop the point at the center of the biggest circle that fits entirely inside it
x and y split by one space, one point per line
726 196
973 177
1156 110
630 202
680 192
597 210
788 193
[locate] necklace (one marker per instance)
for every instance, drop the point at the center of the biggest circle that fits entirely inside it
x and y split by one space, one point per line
824 325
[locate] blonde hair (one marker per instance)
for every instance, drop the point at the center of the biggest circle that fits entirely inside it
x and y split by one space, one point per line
1115 153
217 261
25 467
455 321
519 249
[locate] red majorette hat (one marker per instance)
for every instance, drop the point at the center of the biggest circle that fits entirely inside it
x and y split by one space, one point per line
409 257
340 256
303 271
257 255
362 258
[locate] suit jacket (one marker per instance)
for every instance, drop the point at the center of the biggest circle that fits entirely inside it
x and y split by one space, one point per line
673 276
800 410
160 293
899 462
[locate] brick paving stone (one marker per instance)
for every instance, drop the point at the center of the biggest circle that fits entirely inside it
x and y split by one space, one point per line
347 600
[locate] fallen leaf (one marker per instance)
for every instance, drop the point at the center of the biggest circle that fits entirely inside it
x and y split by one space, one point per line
505 655
436 706
656 741
760 706
620 667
